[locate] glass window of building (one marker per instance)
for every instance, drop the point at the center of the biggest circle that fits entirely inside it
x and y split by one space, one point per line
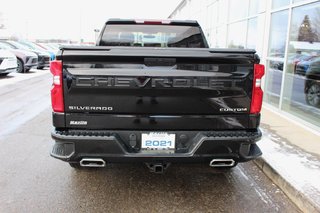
294 1
273 82
238 9
278 34
277 44
256 6
213 38
212 15
302 77
279 3
253 7
221 36
223 12
237 35
252 33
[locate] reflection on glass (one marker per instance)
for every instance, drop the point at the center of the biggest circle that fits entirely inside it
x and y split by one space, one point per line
213 38
278 33
273 82
279 3
302 76
237 35
221 36
222 17
294 1
254 7
212 17
277 44
312 84
257 6
238 9
252 33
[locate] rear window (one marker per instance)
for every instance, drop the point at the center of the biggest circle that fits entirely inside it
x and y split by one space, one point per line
152 36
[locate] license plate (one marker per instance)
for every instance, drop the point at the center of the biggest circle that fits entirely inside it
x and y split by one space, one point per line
158 142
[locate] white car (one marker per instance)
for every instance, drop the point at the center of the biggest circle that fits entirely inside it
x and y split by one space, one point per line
8 62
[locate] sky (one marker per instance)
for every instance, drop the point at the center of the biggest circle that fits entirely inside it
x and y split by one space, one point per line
75 19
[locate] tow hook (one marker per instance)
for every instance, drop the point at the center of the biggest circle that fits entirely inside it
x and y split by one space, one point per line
158 168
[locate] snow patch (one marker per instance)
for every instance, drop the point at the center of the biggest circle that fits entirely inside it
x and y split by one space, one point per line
299 168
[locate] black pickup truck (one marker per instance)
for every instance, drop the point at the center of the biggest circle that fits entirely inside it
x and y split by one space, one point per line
153 92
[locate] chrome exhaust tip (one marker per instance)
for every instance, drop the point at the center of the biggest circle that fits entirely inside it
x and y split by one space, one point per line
222 163
92 162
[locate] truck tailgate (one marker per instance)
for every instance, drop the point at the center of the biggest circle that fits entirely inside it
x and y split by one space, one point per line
158 88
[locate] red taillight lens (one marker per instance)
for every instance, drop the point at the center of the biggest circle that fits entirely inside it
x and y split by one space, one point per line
257 93
57 87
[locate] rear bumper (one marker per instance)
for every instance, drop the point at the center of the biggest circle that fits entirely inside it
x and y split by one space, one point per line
122 146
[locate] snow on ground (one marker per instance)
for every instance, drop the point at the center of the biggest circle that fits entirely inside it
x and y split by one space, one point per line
299 168
15 77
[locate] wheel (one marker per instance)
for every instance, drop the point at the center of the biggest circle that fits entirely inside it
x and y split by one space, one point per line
313 95
75 165
20 68
40 68
4 74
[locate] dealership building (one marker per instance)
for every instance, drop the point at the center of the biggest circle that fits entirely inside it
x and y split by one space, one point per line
285 34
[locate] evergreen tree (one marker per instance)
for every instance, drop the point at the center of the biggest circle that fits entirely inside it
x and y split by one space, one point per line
306 33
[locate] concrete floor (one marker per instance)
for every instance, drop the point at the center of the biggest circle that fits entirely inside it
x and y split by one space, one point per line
290 131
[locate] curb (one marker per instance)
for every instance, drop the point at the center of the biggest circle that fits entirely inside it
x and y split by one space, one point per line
304 203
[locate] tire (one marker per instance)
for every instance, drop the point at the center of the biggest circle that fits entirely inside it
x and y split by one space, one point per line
75 165
3 74
313 95
40 68
20 68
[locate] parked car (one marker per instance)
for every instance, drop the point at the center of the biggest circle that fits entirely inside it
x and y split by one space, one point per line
8 62
312 84
43 57
293 60
303 65
25 59
277 65
36 47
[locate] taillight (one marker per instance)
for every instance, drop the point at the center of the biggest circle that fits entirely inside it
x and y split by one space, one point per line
257 93
57 87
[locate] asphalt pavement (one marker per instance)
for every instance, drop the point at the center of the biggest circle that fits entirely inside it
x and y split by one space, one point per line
32 181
